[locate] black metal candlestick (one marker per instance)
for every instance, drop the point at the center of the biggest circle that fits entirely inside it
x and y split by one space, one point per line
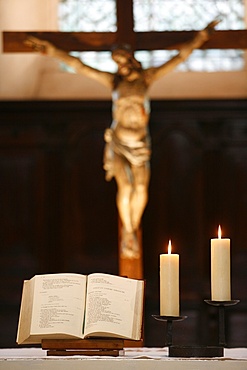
186 351
169 320
222 305
197 351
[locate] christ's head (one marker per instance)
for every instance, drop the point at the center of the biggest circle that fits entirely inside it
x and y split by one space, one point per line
125 60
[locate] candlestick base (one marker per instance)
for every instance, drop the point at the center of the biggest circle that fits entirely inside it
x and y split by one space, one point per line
196 351
169 320
221 306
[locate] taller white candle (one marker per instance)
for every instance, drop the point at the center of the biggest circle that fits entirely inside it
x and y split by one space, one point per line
220 269
169 283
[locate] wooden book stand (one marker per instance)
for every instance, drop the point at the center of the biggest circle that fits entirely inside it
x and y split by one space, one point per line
86 347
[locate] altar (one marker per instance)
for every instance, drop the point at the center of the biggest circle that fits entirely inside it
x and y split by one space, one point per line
130 358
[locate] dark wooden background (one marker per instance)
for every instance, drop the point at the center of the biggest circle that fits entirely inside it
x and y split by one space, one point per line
58 214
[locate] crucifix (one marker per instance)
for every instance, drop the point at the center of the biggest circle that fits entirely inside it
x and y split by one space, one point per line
127 149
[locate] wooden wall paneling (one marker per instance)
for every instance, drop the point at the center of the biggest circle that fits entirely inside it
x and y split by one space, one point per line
22 230
58 213
201 133
89 214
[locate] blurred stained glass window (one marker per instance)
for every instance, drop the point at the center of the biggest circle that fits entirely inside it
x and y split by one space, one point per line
87 15
159 15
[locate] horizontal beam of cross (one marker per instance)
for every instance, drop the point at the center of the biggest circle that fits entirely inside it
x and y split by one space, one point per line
103 41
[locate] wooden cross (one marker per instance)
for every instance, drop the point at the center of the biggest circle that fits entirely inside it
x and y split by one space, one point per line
104 41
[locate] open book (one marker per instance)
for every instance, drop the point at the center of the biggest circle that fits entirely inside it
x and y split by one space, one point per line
66 306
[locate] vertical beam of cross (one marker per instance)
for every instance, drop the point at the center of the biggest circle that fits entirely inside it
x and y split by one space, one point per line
125 23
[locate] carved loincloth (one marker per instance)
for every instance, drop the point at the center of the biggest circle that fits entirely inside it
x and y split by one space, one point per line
137 153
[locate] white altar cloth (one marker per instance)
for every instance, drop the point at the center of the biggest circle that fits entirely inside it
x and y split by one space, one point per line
130 359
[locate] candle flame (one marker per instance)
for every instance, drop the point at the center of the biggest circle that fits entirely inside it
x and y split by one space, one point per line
169 247
219 232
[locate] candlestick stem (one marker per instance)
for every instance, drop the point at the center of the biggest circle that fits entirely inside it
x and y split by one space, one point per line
222 334
169 320
221 307
169 333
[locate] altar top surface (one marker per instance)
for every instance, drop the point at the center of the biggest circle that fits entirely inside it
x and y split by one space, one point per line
134 358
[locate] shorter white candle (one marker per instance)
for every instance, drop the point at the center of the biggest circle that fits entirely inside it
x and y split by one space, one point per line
169 283
220 269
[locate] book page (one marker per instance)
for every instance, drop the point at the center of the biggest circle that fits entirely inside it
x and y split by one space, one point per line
26 311
112 307
59 304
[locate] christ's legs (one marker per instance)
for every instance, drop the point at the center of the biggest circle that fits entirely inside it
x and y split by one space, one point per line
132 196
123 176
139 196
124 206
132 193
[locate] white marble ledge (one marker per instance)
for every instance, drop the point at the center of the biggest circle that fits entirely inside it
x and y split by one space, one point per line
129 353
